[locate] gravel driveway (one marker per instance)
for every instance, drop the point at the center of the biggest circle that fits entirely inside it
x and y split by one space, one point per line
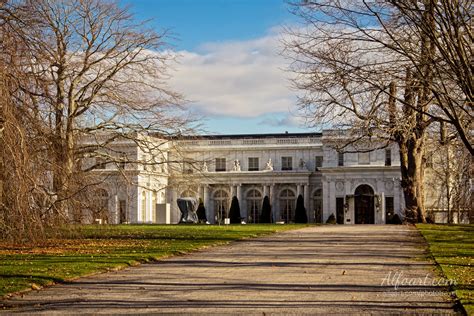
325 269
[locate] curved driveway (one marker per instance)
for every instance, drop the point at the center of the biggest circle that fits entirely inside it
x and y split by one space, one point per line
325 269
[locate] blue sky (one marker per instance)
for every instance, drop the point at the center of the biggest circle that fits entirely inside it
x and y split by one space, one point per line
229 65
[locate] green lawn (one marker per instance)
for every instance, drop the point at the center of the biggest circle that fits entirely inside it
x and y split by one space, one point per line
452 246
101 248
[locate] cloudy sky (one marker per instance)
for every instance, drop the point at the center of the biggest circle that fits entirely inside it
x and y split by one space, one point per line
229 65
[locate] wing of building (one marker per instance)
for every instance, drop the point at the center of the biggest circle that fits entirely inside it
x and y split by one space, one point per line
356 188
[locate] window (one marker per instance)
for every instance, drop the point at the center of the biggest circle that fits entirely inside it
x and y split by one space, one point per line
287 205
101 205
221 201
340 159
340 210
388 157
364 158
123 211
253 164
389 208
286 163
100 163
187 168
319 162
318 206
254 202
220 164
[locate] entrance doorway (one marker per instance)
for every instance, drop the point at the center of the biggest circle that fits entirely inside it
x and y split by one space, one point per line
364 204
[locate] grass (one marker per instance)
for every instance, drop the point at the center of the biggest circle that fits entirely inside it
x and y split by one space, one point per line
101 248
452 246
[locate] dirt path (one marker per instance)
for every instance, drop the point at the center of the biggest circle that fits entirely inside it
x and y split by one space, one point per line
326 269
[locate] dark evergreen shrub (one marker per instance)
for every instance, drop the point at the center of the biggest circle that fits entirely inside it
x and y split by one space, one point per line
266 215
429 219
396 219
300 212
331 219
201 212
234 213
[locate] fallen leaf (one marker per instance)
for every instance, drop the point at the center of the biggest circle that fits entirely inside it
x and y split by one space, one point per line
35 286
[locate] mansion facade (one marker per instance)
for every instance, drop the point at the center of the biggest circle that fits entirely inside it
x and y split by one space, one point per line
356 188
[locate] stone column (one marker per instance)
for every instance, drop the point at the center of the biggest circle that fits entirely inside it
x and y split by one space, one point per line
243 208
272 197
309 212
201 193
298 190
207 204
116 216
175 213
238 192
326 205
396 196
266 191
149 217
380 217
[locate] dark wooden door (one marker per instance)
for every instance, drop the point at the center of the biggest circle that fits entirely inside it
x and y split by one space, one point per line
364 205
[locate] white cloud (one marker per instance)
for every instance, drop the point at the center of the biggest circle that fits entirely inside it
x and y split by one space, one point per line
289 120
235 78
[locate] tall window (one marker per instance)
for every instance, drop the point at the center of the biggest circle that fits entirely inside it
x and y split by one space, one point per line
389 208
318 205
254 202
102 205
319 162
221 205
286 163
220 164
388 157
253 163
364 158
287 205
340 159
340 210
123 211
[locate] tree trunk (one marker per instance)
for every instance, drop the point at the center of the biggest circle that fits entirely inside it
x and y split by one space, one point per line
411 165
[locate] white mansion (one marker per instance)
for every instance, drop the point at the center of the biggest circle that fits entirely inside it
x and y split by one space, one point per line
356 188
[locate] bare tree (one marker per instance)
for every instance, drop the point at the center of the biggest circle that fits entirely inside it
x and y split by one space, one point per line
367 68
105 80
22 144
90 74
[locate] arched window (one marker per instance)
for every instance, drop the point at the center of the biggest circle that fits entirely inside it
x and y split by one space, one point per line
318 205
254 204
143 208
188 193
221 204
287 205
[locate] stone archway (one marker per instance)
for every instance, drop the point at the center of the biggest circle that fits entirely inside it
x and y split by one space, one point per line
364 205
